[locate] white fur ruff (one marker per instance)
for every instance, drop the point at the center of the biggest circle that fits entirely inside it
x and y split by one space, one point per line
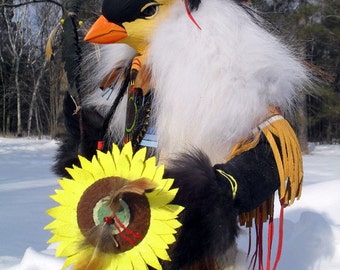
212 86
97 64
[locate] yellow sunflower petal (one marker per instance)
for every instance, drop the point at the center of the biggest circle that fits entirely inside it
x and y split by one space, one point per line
115 153
165 184
85 163
149 256
174 208
90 258
122 262
72 260
54 224
62 212
54 239
159 173
168 238
68 231
155 240
159 227
138 156
163 214
123 167
67 248
64 197
113 263
81 176
127 151
105 259
107 163
137 260
163 198
150 168
173 223
69 184
161 253
97 169
136 172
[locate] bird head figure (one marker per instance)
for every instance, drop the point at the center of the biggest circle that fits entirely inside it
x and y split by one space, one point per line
128 21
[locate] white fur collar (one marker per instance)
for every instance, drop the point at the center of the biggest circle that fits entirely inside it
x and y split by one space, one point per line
212 85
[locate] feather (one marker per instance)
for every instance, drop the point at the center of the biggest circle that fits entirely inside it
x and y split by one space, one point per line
94 263
52 42
138 186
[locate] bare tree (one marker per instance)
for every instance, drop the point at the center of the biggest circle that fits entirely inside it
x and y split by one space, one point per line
26 30
43 14
16 44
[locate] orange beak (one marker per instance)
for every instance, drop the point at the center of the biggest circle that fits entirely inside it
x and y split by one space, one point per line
105 32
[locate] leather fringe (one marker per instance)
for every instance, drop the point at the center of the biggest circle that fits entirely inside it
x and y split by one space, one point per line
288 157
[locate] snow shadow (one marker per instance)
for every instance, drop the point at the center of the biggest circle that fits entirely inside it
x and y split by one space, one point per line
307 242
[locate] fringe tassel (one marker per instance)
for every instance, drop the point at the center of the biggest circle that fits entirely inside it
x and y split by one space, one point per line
289 161
288 157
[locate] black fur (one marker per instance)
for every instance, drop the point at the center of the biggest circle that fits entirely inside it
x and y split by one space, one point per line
256 174
193 4
71 53
209 219
83 131
210 216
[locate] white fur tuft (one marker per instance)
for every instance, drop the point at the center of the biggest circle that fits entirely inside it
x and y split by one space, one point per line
96 65
213 85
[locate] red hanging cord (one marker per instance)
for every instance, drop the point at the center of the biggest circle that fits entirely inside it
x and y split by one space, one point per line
118 228
190 15
270 241
253 260
280 242
260 241
135 234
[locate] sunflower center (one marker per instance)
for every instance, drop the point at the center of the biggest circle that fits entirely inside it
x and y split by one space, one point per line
126 227
103 212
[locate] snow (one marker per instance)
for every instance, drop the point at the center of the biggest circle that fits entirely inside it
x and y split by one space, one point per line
311 232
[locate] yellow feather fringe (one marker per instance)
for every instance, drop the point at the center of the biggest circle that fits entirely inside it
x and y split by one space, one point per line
49 50
288 157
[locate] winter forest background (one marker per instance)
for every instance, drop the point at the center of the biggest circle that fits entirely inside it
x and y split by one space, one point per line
32 86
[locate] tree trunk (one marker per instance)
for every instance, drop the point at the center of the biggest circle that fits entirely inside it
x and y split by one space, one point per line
37 122
302 124
4 109
18 92
34 98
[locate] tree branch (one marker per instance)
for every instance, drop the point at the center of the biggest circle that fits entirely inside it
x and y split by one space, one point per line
31 2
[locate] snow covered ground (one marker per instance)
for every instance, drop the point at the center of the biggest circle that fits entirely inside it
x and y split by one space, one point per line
312 224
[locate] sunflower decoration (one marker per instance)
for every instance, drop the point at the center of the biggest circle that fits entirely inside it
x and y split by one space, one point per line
115 214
